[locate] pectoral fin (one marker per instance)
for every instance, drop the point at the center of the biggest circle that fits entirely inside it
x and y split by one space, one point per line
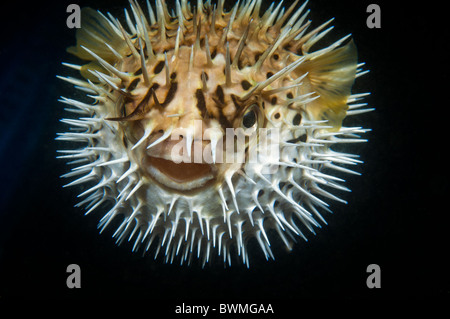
331 76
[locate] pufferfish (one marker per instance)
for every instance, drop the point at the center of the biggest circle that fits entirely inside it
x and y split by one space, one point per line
208 133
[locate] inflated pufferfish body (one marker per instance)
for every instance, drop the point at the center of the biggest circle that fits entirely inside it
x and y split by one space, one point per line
210 128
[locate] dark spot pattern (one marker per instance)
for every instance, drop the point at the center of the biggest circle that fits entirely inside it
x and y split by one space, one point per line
201 104
159 67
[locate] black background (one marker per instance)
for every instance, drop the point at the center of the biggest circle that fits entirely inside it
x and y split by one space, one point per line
396 215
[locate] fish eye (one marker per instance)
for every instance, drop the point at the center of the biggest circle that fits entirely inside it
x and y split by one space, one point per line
250 117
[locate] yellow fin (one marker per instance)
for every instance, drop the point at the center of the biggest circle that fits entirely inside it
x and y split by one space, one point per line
95 31
331 76
93 66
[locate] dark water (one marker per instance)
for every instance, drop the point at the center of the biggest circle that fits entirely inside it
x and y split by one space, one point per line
395 216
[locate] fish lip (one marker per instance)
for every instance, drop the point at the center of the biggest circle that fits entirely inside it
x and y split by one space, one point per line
183 177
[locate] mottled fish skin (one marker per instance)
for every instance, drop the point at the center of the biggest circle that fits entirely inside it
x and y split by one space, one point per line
186 75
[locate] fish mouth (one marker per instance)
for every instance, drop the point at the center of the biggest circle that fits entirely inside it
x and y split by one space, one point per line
180 176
